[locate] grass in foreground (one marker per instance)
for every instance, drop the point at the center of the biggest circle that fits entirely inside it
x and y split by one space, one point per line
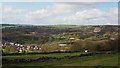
36 56
96 60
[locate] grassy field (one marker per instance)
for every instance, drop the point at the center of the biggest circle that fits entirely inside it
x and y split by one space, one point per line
36 56
95 60
1 27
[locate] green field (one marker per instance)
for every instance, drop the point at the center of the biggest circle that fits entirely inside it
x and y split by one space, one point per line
1 27
95 60
68 26
36 56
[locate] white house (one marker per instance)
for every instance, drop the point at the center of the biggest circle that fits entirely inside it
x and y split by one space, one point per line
20 50
40 48
62 50
11 43
18 44
21 45
72 38
28 47
112 38
86 51
62 44
15 44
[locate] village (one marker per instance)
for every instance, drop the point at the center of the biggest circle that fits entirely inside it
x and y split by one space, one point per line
19 48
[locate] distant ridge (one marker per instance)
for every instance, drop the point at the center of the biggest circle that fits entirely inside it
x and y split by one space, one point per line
51 25
15 25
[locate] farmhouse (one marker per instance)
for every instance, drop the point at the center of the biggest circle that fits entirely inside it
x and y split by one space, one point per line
11 43
72 38
62 44
35 48
20 50
62 50
112 38
86 51
28 47
18 44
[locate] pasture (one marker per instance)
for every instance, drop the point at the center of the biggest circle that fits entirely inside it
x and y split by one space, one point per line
61 60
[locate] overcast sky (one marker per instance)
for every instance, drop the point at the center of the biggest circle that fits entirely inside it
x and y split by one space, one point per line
55 13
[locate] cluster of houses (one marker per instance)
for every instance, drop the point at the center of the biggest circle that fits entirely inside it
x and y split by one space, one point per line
20 47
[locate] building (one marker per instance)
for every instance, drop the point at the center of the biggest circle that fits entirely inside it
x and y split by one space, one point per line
112 38
86 51
72 38
62 44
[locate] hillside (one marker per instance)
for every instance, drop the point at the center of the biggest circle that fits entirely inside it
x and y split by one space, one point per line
60 38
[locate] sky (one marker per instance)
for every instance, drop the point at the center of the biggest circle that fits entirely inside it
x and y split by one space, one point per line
60 13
